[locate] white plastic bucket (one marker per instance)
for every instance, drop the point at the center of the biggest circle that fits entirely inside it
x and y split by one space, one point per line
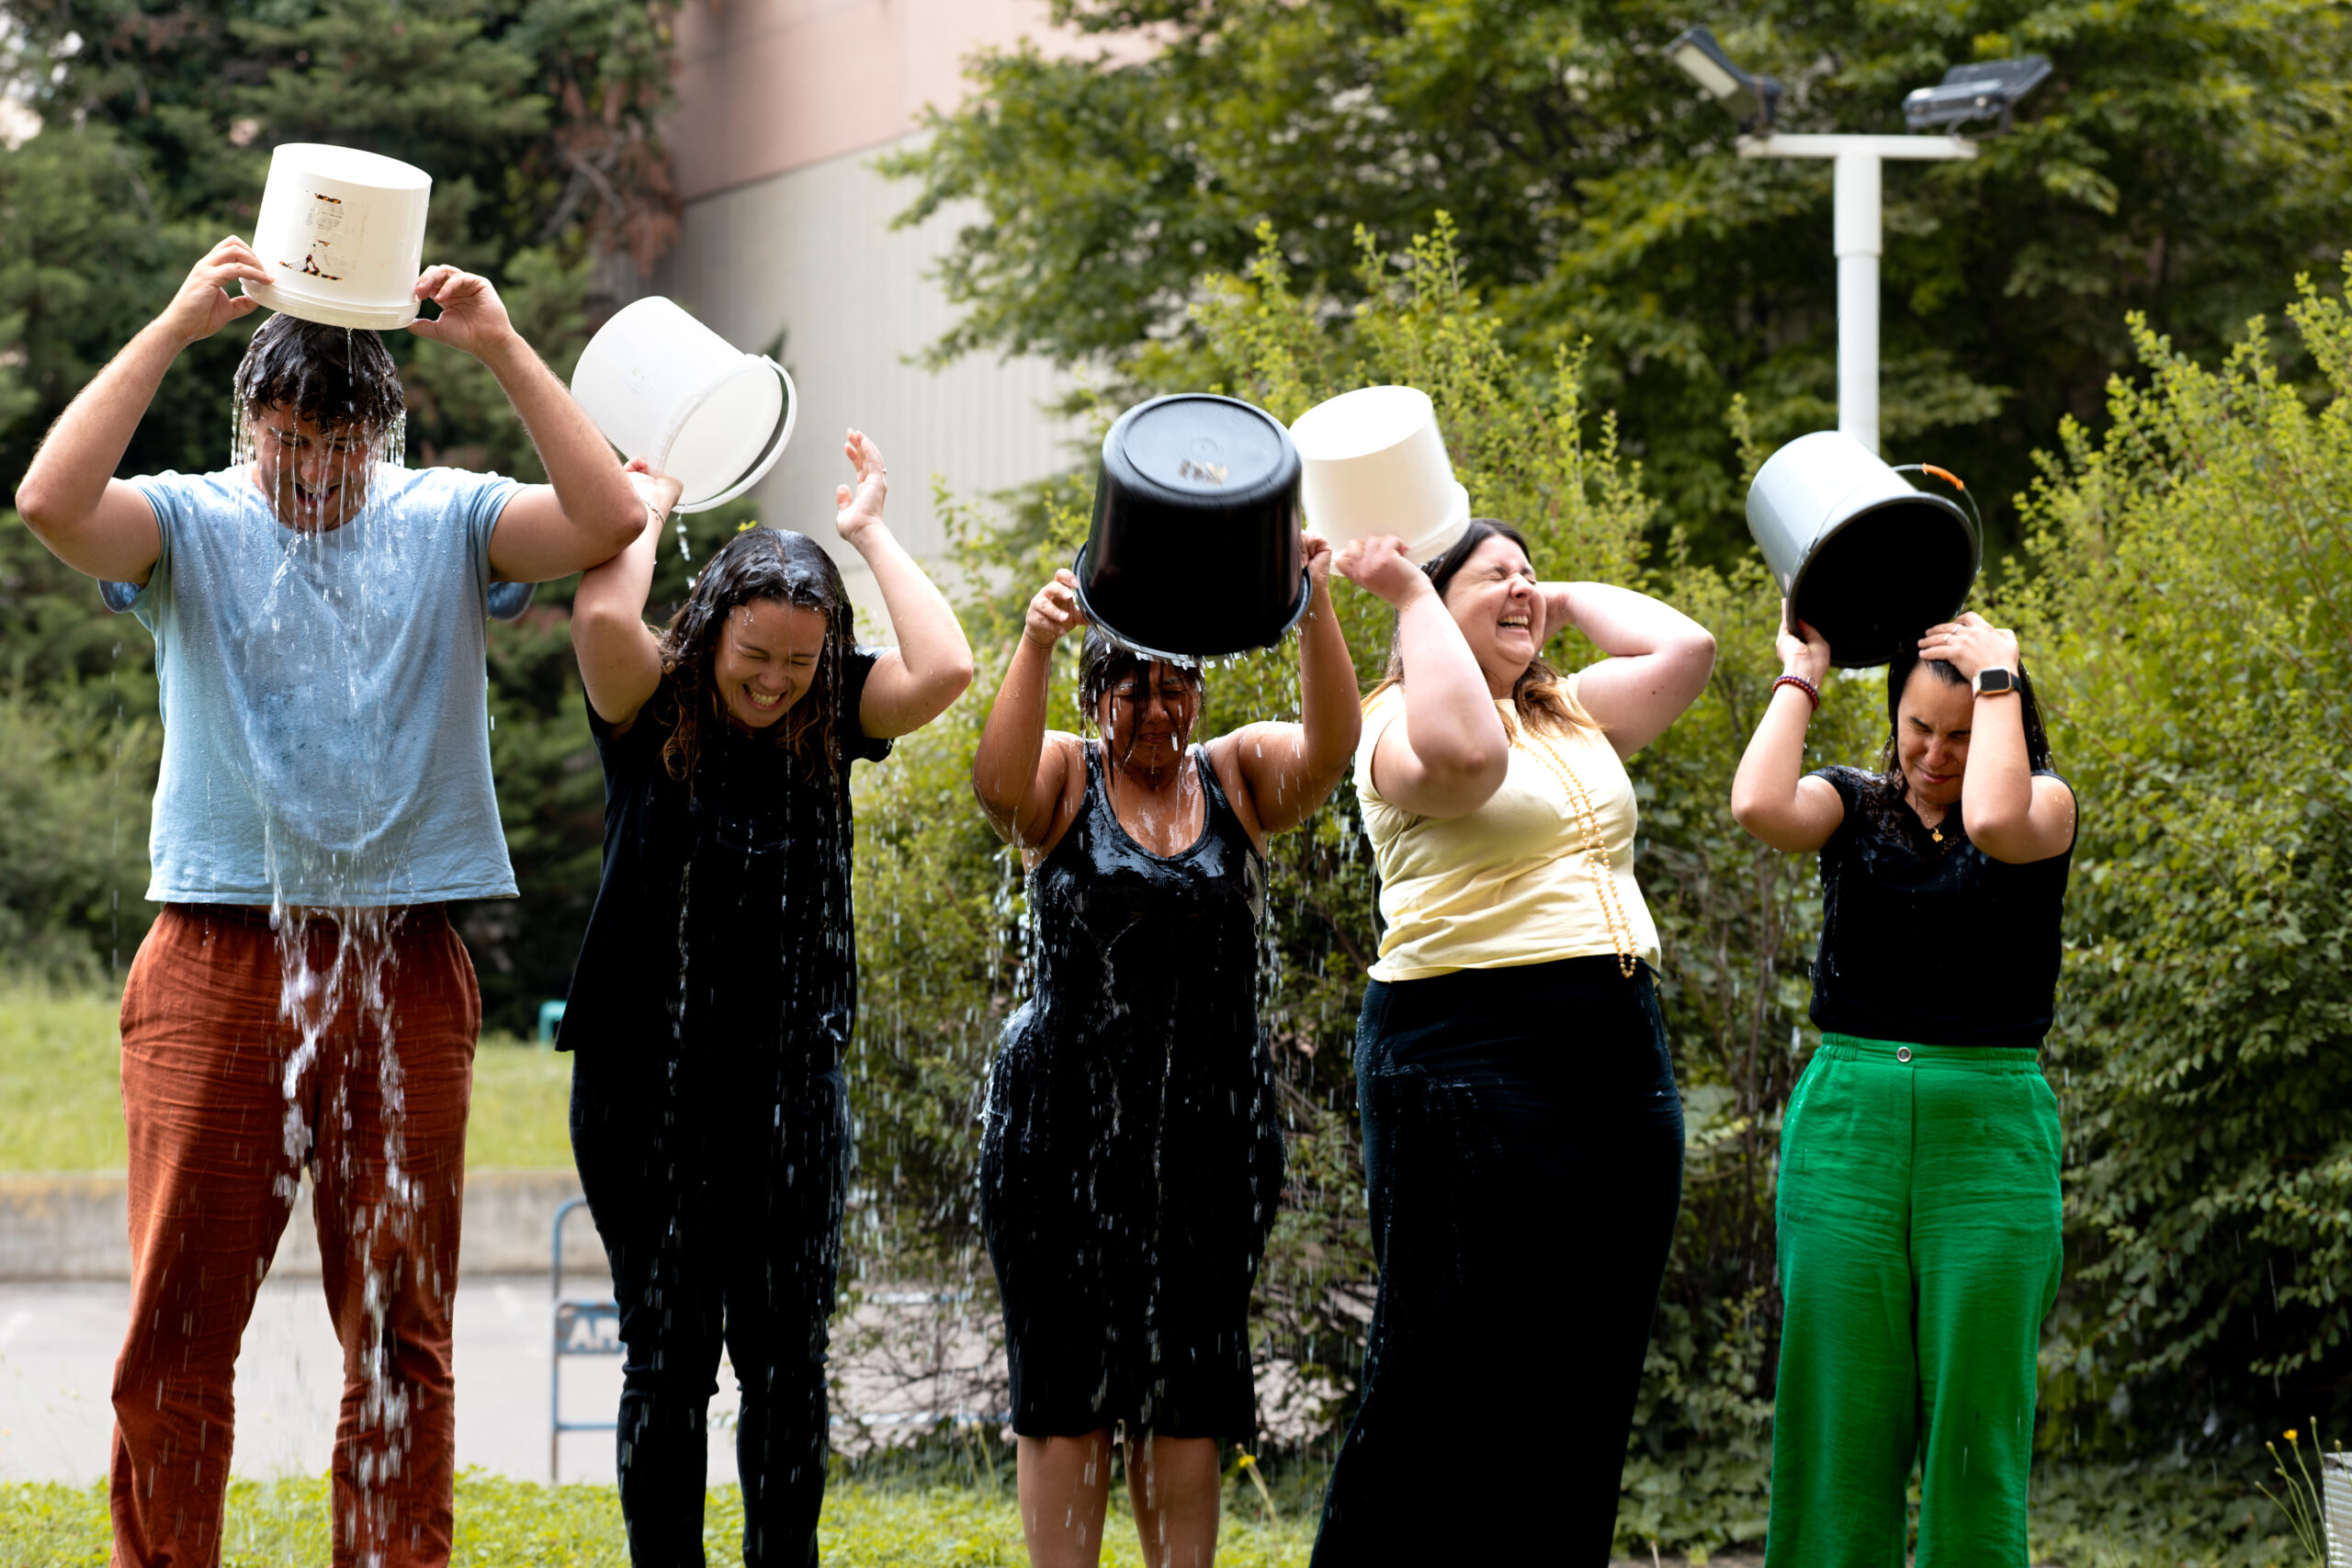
343 232
665 388
1376 464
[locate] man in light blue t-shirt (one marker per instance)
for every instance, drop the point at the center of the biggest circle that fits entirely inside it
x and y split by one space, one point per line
302 1001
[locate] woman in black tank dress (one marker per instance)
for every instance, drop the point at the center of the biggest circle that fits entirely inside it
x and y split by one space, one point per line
1132 1160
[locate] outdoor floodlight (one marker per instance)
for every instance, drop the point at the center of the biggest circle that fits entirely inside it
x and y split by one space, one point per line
1750 99
1976 92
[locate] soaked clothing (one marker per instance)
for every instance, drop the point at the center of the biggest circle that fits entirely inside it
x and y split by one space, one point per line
1522 1138
1931 940
1919 1251
326 726
708 1017
716 1172
1509 883
217 1145
734 886
1132 1159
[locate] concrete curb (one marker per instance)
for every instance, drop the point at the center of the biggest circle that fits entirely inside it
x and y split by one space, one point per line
75 1225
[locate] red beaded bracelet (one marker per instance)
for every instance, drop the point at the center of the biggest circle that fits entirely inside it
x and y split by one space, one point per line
1802 684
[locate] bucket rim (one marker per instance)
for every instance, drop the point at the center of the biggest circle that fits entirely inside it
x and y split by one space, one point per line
329 312
788 417
1298 612
1814 551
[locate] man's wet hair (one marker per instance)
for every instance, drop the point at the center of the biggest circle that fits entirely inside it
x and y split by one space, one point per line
337 378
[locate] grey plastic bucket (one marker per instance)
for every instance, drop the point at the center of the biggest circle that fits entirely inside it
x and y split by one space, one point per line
1866 559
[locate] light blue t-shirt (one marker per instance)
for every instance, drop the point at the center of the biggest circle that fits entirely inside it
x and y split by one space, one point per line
326 726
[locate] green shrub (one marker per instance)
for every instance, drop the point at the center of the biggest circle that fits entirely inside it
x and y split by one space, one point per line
2191 614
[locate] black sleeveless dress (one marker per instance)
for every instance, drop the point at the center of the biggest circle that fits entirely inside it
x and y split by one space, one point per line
1131 1158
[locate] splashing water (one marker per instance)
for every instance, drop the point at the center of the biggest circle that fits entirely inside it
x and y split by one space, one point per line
335 860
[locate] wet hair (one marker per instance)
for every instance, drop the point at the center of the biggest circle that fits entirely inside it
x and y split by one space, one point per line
758 563
337 378
1540 696
1899 669
1103 661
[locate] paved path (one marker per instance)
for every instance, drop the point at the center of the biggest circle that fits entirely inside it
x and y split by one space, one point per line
58 1343
903 1357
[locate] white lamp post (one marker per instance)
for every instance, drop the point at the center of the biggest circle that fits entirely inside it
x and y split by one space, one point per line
1966 93
1858 239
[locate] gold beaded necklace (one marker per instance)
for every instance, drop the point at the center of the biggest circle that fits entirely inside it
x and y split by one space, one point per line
1596 848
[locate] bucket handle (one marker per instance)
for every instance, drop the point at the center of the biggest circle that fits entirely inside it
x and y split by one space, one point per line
1951 479
759 470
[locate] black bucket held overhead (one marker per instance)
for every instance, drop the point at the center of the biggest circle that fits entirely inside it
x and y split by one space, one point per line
1196 552
1866 560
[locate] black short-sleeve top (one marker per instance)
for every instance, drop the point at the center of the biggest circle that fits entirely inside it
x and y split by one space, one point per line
725 898
1931 941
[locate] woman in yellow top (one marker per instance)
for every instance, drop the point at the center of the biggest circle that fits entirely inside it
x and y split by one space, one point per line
1523 1132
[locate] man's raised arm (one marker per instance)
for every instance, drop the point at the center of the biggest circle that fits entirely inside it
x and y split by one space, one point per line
69 497
589 513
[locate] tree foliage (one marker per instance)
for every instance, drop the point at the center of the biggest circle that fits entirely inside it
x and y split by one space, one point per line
2179 162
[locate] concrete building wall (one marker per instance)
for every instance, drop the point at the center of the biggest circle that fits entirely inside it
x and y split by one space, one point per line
784 107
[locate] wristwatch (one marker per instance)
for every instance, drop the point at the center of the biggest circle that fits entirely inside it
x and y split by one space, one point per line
1992 680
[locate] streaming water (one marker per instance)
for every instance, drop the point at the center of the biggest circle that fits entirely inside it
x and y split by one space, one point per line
338 854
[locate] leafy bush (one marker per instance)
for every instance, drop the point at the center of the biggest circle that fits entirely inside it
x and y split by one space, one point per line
2193 608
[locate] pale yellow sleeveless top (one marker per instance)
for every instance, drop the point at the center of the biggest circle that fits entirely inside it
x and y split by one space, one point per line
1510 883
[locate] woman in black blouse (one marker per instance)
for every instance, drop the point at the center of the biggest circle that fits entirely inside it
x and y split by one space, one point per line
1918 1179
717 987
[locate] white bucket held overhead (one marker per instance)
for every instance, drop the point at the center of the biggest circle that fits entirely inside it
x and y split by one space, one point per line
1374 463
665 388
343 232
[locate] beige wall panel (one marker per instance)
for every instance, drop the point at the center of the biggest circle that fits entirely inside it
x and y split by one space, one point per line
812 254
766 85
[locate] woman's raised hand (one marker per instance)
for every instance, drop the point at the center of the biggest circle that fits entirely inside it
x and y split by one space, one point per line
1804 651
659 492
861 508
1971 644
1379 566
1054 612
1318 553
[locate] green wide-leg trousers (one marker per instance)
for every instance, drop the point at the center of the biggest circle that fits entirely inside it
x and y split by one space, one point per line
1919 1255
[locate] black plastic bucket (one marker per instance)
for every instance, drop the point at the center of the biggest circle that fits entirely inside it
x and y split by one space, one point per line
1866 560
1194 552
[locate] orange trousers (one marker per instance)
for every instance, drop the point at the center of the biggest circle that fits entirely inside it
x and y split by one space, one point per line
345 1045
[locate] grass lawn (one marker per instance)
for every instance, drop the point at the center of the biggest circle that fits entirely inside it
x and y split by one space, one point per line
513 1522
61 1090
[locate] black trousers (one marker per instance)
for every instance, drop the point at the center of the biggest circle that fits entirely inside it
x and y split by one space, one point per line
716 1175
1523 1148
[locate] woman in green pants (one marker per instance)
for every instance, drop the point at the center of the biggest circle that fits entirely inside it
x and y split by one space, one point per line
1919 1185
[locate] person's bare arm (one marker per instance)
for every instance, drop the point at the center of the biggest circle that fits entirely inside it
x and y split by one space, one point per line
620 658
1449 754
1020 771
1658 660
588 513
916 682
2009 814
1771 795
1291 769
69 496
